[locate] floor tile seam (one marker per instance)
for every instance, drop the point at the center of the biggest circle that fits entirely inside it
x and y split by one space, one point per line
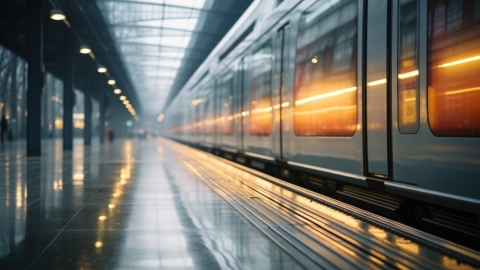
155 230
53 240
36 200
33 179
62 230
50 191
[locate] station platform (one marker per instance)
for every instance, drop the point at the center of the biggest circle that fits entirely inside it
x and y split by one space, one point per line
129 204
157 204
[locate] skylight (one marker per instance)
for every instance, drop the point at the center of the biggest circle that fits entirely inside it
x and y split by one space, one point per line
152 37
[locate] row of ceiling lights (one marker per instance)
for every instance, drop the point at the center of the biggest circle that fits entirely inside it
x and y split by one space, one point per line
58 15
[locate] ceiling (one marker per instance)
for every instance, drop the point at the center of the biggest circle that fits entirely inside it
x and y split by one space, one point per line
150 47
163 42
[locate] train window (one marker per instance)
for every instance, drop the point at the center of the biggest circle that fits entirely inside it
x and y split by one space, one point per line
198 119
198 115
454 14
226 105
439 17
454 65
209 117
477 9
408 116
192 120
261 91
326 84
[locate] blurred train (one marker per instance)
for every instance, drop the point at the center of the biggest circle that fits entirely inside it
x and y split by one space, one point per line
376 102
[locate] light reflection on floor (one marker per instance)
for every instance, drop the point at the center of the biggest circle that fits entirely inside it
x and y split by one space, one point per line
124 205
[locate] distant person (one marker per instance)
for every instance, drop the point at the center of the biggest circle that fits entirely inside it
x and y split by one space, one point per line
109 133
3 128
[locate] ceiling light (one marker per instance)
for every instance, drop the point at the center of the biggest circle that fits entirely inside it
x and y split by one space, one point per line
57 14
160 117
112 82
123 97
84 49
126 102
102 69
128 106
117 91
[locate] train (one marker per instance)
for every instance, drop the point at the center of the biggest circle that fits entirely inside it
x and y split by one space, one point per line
376 103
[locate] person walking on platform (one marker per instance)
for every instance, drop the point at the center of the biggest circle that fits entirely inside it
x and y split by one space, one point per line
3 128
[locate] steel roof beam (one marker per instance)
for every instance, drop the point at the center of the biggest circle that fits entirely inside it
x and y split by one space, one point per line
158 18
184 31
217 12
162 46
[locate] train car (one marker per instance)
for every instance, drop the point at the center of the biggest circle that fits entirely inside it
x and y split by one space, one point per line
376 102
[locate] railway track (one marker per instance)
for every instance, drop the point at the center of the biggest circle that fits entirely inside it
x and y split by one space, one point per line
320 232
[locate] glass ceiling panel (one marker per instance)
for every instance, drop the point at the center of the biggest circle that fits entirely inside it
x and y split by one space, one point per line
152 36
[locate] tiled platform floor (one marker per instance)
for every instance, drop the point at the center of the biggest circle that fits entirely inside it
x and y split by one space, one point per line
125 205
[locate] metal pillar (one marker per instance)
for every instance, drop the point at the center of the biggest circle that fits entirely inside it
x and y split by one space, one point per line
13 100
88 73
45 99
103 112
35 76
68 91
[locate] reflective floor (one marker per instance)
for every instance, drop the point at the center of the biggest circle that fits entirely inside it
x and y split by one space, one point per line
129 204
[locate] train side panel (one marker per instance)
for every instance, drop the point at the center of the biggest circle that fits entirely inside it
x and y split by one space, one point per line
436 140
322 124
259 117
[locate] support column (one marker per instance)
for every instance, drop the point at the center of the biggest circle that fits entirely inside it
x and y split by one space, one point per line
68 91
88 73
13 100
103 112
23 105
35 77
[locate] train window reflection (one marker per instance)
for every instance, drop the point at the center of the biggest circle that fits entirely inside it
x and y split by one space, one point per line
439 15
261 91
454 65
209 117
326 85
226 105
408 116
477 9
454 14
191 120
198 115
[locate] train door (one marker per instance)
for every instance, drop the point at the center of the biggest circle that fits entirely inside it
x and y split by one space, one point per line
240 107
377 106
435 83
215 114
226 91
278 95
